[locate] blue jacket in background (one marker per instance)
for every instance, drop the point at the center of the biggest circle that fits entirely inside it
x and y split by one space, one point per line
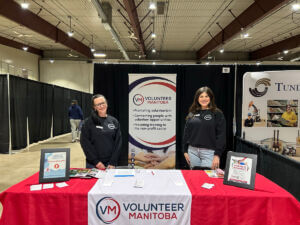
75 112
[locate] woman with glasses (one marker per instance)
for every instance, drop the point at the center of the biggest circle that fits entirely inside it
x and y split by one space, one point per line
101 138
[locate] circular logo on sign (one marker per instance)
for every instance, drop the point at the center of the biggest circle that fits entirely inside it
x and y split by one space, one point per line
208 117
265 82
108 210
138 99
111 126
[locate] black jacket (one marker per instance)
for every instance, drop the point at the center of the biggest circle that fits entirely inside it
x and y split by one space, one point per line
205 129
101 139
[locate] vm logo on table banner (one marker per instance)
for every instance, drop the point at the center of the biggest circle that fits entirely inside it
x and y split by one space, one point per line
108 210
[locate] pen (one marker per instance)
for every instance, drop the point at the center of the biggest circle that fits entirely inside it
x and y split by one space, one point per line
152 173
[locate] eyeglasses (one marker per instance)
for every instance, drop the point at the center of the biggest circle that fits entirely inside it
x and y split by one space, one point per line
99 104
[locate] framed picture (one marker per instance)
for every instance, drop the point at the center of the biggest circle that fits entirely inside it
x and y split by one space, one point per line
240 170
54 165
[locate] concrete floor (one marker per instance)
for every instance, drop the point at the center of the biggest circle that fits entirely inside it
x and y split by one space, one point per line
22 164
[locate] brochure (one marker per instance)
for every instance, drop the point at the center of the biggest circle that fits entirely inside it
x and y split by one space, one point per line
218 173
87 173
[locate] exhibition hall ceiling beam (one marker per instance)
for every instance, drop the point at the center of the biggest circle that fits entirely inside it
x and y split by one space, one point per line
255 12
18 45
13 11
135 23
287 44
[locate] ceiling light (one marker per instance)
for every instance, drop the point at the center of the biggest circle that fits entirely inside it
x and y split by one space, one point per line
25 48
153 63
70 33
24 5
105 62
295 59
8 61
245 35
100 55
92 48
280 58
221 50
152 6
153 50
286 51
296 6
207 63
153 35
258 63
51 60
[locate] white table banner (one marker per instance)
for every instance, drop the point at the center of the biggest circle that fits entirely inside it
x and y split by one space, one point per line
157 197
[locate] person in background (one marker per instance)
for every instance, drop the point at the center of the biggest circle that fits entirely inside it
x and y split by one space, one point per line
101 138
75 116
290 116
249 121
204 135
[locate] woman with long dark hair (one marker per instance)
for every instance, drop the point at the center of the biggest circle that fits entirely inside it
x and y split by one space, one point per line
204 135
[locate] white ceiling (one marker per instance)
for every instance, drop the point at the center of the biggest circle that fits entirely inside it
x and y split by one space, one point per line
183 28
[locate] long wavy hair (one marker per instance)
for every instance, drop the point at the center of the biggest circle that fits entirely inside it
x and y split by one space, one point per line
195 107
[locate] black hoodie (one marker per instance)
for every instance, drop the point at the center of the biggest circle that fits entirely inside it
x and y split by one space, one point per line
101 139
205 129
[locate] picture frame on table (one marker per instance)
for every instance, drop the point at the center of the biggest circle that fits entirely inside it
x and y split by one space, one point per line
54 165
240 170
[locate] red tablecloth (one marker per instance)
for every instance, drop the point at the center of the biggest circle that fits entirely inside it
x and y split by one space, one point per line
57 206
267 204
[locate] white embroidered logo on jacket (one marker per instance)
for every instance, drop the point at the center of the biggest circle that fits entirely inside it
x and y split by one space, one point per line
207 117
111 126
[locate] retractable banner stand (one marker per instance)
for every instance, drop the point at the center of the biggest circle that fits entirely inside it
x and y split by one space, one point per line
270 114
152 121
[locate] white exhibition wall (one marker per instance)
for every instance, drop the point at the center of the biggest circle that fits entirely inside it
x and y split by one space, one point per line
76 75
18 62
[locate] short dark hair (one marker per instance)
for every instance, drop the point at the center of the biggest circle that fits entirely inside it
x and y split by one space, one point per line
74 101
97 96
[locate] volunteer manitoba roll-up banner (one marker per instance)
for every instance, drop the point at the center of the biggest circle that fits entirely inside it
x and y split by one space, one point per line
270 114
152 120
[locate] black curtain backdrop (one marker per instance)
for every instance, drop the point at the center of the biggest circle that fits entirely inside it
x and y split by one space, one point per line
38 102
66 104
241 70
276 167
60 121
112 81
18 112
4 120
40 109
86 104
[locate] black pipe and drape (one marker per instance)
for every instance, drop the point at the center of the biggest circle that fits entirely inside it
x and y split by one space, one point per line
39 103
112 81
4 119
39 98
18 112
